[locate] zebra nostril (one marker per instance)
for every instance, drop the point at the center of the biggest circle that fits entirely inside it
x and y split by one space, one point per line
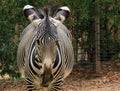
46 77
51 77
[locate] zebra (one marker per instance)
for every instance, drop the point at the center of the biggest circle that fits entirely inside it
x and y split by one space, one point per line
45 54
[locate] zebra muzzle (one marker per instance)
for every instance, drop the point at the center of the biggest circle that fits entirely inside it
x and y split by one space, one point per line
47 77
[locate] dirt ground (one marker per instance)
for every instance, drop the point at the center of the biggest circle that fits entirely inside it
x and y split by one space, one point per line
82 78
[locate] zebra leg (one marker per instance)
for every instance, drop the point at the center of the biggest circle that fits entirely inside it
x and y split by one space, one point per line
22 73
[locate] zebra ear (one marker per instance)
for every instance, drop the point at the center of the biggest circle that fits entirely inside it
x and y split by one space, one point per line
30 13
62 13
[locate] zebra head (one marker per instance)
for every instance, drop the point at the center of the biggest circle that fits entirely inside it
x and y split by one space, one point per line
46 48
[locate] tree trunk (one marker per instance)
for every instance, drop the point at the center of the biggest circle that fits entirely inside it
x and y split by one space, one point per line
97 37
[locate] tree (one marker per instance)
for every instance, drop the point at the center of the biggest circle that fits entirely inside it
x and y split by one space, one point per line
97 36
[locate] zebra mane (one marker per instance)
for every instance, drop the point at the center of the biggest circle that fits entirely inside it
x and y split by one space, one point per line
46 27
47 21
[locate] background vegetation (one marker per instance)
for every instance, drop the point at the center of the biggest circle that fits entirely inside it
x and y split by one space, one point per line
81 23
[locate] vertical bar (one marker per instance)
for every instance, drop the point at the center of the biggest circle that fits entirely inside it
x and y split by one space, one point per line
97 37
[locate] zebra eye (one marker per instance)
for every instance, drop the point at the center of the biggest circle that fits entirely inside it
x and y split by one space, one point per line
38 59
38 42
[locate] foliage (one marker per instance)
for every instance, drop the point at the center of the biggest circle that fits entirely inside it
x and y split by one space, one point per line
10 27
110 19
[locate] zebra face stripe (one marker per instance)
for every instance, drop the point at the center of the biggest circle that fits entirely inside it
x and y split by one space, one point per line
46 42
